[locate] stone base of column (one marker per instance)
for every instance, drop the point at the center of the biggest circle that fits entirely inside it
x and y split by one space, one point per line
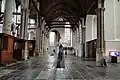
99 57
118 59
82 50
40 53
26 54
36 52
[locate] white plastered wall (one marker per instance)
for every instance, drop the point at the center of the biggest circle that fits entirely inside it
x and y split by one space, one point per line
89 27
111 27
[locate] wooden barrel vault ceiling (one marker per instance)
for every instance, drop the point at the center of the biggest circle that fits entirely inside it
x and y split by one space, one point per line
71 10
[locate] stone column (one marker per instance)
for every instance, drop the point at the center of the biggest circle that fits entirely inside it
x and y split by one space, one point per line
38 35
83 38
37 47
73 39
24 18
77 32
24 26
8 17
40 40
100 32
45 43
80 40
77 42
42 47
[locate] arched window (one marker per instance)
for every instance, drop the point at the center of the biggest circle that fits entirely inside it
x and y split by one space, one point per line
60 19
52 38
68 35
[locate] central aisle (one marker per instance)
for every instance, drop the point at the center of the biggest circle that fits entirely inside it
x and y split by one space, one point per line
44 68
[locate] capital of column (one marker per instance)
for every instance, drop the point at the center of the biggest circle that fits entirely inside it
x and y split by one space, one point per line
83 28
99 9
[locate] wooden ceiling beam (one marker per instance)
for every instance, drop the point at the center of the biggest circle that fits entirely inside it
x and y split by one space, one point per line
91 7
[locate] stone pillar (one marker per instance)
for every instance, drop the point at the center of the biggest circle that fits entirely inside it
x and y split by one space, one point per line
37 41
24 18
38 35
83 40
80 40
42 51
73 39
24 21
83 34
8 17
44 45
77 42
77 32
24 26
37 47
100 32
40 41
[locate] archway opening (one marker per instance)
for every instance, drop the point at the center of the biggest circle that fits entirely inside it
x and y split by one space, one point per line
52 38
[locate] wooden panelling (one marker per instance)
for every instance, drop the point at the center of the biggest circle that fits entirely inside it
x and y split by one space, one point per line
19 46
91 49
6 48
31 47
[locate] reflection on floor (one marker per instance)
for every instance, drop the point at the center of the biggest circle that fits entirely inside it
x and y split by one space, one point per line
44 68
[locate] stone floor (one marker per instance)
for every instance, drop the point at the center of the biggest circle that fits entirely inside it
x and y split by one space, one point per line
44 68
